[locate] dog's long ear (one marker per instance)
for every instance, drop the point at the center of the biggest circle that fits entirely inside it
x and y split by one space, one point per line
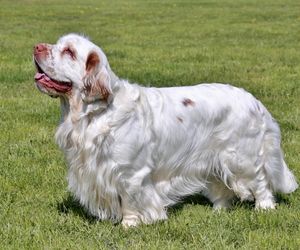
96 81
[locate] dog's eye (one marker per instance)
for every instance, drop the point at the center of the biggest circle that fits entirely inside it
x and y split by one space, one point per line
70 52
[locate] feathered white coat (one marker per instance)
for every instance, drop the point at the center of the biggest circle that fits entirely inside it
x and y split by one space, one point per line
133 151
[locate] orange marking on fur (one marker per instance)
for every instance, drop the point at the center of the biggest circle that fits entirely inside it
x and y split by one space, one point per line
70 51
104 92
188 102
92 61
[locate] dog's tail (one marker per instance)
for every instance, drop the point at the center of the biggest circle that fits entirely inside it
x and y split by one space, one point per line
280 177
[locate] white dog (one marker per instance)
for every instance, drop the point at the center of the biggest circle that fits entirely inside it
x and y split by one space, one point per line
133 151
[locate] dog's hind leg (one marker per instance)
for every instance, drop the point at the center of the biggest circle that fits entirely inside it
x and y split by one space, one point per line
262 192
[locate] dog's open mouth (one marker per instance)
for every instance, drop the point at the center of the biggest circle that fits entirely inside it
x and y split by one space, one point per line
42 78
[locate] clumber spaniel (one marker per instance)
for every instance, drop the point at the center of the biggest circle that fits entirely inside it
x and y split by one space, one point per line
133 151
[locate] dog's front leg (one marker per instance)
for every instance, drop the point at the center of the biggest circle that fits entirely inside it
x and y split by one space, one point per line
131 217
144 206
141 201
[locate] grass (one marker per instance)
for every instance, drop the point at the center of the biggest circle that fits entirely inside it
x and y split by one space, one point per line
250 44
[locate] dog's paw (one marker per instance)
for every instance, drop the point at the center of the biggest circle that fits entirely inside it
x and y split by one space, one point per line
265 204
130 221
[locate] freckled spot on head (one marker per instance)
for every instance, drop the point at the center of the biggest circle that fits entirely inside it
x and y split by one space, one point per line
188 102
179 119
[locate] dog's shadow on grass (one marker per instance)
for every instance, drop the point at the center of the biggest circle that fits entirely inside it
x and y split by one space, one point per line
196 199
71 205
199 199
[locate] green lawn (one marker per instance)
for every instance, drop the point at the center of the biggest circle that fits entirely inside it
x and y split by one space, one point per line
250 44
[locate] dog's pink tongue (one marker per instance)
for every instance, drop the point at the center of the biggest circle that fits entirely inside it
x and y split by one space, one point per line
45 80
38 76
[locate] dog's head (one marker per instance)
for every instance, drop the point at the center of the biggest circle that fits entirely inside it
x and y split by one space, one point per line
72 65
